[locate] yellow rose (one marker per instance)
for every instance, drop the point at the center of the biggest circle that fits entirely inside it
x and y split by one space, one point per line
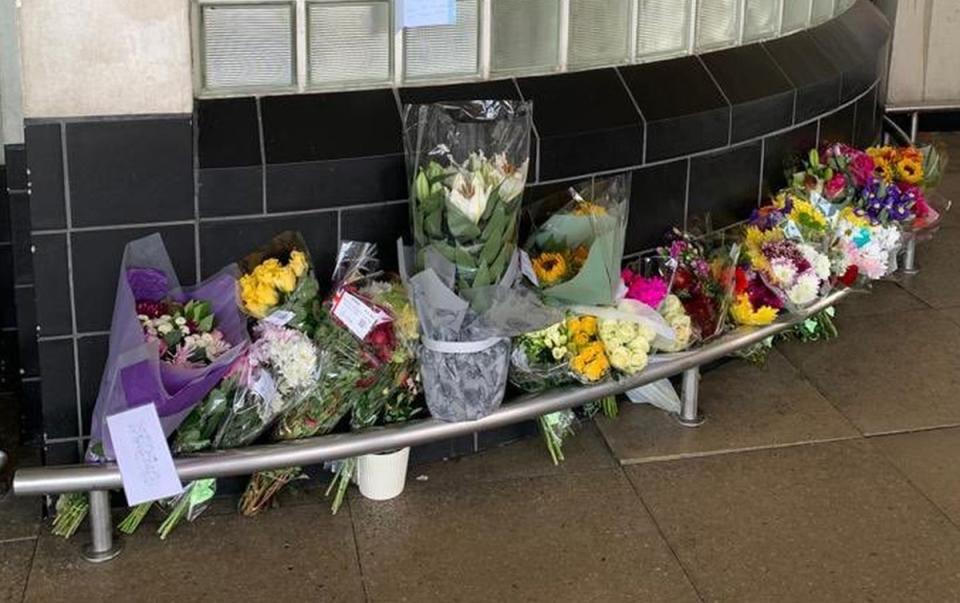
266 295
298 263
284 279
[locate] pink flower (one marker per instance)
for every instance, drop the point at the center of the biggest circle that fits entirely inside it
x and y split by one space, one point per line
861 167
649 291
834 187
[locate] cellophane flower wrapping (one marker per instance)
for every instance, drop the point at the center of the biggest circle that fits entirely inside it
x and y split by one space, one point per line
649 281
576 246
134 374
468 165
279 283
465 343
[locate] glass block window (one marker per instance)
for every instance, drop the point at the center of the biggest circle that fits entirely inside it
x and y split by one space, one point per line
599 32
348 42
663 28
443 51
718 23
796 15
761 19
822 10
525 36
247 46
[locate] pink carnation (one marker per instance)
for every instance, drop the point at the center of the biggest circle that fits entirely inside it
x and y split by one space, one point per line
650 291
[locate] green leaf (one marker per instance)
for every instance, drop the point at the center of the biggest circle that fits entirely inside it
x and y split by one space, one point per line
433 223
444 249
460 225
206 324
483 277
493 234
422 187
463 258
499 265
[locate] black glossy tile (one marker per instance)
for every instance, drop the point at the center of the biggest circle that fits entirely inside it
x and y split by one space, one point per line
382 225
761 96
20 237
865 126
16 158
724 186
496 89
226 241
52 287
838 126
493 438
230 191
683 109
228 132
816 79
784 152
27 331
61 453
657 199
96 268
58 388
4 207
854 43
31 410
130 171
586 123
45 161
315 127
8 310
92 354
335 183
9 362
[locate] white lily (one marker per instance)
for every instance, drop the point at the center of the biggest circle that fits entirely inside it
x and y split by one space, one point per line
469 196
511 178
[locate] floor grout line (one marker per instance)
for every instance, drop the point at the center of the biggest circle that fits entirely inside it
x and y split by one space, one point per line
33 558
356 549
18 539
681 456
663 536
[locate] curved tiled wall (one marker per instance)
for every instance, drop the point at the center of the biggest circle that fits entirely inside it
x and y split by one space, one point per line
700 135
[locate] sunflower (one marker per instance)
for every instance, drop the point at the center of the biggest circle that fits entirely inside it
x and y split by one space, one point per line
806 214
745 314
588 208
578 257
910 170
850 215
754 241
550 267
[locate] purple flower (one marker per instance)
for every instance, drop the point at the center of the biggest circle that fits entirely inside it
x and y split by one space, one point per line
147 284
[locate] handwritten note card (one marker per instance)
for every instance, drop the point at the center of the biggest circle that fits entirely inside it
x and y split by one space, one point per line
143 455
420 13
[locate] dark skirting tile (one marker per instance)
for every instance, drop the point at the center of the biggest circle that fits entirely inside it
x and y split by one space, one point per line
52 287
61 453
31 410
230 191
8 310
20 238
838 126
45 161
657 198
865 126
335 183
96 268
27 331
784 152
496 89
317 127
724 185
226 241
493 438
16 158
380 224
130 171
58 388
228 132
761 96
92 354
681 105
9 362
586 122
810 70
5 225
854 43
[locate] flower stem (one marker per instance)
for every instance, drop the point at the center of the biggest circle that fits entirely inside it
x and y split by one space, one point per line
71 510
133 519
610 407
340 483
177 513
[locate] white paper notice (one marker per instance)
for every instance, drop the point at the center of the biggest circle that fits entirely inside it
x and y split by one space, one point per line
143 455
356 315
421 13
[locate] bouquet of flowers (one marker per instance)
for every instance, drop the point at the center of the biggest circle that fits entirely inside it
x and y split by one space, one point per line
468 163
576 247
836 174
185 333
796 272
539 360
278 282
754 303
864 250
654 292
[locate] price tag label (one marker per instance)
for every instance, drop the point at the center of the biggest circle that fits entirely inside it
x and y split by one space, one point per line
280 318
357 316
146 465
526 268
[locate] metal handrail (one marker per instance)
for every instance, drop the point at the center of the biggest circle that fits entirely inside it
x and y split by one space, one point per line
244 461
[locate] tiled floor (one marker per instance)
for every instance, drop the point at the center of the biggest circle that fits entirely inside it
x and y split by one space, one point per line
793 490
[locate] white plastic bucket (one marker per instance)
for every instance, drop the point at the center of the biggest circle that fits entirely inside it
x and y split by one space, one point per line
382 476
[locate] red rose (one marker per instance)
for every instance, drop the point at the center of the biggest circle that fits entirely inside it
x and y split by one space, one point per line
834 187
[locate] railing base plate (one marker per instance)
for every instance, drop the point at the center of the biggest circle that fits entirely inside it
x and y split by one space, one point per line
92 556
697 421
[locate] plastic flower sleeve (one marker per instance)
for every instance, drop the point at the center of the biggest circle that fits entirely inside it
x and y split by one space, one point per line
468 164
134 375
576 248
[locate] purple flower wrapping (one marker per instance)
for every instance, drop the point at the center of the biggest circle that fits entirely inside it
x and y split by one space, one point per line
148 284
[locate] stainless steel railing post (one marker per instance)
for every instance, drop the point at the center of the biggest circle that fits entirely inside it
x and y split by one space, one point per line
102 546
690 415
910 255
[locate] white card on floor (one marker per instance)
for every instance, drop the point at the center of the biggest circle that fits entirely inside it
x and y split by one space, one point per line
421 13
146 466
